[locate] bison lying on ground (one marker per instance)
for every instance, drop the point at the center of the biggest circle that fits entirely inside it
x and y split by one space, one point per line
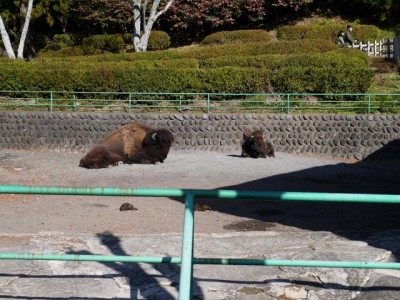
253 145
132 143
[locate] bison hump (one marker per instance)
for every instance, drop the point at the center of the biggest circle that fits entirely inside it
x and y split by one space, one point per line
129 137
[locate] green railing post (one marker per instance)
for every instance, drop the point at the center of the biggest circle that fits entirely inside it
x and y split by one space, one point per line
186 276
369 103
208 103
288 103
51 101
74 105
129 102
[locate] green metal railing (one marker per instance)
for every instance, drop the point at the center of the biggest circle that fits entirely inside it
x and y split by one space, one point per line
198 102
187 260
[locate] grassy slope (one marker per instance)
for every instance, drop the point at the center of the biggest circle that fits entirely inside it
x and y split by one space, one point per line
386 83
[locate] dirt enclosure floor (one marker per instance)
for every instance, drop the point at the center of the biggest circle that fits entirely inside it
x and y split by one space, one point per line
27 214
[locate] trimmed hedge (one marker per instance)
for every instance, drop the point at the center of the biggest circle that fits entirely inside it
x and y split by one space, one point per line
99 43
315 66
328 32
275 61
322 79
206 52
67 45
130 77
237 36
62 53
158 40
284 47
61 41
101 77
134 56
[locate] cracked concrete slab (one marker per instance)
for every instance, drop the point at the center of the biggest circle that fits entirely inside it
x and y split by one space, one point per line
95 280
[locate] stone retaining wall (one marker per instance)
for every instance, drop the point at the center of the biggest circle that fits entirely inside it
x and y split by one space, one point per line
342 136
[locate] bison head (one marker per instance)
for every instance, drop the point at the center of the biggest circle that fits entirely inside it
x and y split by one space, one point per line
250 147
156 144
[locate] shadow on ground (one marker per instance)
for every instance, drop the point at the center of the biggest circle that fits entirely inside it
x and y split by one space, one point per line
356 221
141 283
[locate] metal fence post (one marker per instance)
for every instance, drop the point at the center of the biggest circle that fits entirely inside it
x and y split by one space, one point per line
74 105
369 103
208 103
186 276
129 102
51 101
288 103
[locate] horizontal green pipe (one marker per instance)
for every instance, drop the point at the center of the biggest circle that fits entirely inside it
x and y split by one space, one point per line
86 257
296 263
204 261
95 191
226 194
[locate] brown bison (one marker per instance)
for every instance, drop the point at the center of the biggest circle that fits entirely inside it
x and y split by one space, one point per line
132 143
254 145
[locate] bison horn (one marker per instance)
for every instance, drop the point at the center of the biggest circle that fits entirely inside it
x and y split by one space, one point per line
153 136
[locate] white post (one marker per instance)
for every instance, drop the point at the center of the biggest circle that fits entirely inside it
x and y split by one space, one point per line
370 48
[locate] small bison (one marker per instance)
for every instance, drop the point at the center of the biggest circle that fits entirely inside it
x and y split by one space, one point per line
132 143
253 145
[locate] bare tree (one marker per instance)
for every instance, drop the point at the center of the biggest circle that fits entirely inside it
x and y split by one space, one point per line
25 30
141 37
6 38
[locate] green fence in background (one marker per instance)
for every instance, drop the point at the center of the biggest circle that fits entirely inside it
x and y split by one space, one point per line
198 102
187 260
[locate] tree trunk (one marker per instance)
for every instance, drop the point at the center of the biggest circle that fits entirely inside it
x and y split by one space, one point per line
141 40
25 30
6 40
137 14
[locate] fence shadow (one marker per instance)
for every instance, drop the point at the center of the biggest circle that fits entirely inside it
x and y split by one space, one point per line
140 282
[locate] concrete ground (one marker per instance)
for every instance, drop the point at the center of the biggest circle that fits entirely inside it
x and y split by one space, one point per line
226 228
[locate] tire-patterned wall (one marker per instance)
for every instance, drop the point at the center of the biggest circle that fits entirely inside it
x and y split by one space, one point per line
341 136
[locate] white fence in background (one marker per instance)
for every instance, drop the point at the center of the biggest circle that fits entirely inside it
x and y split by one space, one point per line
389 48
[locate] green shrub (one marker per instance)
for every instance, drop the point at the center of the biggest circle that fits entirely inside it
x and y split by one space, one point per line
139 77
96 43
328 32
129 77
60 41
313 66
275 61
207 52
158 40
134 56
142 65
284 47
128 38
342 79
237 36
62 53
